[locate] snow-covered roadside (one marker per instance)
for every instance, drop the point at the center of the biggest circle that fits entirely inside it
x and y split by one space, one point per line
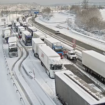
8 95
75 35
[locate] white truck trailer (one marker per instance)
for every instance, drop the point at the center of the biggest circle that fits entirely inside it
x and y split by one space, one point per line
50 59
72 90
39 34
94 63
35 45
12 46
27 38
3 31
31 30
7 34
20 29
16 26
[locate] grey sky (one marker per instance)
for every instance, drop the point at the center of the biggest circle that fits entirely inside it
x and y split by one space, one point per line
46 2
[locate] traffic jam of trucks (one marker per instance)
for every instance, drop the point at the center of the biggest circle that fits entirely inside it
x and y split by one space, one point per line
51 53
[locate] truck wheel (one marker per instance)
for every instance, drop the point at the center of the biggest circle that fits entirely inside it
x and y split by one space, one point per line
67 57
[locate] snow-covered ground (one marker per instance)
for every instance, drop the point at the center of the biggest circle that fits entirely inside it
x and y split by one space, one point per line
8 95
72 33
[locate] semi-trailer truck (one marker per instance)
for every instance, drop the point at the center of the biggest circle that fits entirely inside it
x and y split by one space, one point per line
55 45
50 59
12 46
94 63
72 90
31 30
35 45
27 38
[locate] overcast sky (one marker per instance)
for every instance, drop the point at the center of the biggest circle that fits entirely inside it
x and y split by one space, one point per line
46 2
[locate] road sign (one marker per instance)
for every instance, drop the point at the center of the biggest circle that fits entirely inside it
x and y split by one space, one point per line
74 43
36 12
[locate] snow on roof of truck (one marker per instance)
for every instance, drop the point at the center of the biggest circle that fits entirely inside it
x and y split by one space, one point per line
26 32
95 55
52 40
7 28
37 40
17 24
21 27
32 28
39 33
12 39
87 92
48 51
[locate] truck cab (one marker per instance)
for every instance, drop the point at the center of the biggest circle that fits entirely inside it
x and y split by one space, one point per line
12 46
59 49
27 38
71 55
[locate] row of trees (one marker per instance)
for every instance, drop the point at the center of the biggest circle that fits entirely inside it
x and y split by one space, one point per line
87 17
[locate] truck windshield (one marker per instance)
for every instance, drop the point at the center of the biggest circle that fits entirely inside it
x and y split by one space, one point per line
58 49
28 40
71 53
55 66
13 49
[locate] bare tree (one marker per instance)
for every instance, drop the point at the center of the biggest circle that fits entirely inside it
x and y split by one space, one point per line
46 10
75 9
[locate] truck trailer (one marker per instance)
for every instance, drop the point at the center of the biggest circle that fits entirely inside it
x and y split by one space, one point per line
3 31
16 26
94 63
20 29
27 38
71 90
35 45
7 34
12 46
31 30
50 59
39 34
55 45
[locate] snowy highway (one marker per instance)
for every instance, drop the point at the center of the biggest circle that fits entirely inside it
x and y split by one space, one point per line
38 89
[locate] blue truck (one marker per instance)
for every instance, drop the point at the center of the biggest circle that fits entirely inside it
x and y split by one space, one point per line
55 45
